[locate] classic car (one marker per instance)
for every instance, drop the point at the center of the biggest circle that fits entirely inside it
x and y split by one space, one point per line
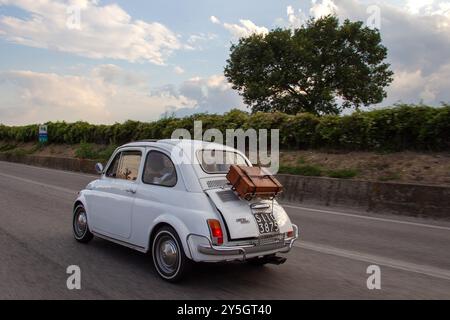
171 198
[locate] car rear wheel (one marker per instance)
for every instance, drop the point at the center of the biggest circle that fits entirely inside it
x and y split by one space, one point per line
80 225
168 255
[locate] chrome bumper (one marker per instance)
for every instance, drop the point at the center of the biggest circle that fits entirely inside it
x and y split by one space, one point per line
240 252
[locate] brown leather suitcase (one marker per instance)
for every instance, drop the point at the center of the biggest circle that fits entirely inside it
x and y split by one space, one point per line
251 182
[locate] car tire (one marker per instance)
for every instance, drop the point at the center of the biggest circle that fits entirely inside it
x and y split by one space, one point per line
168 255
80 225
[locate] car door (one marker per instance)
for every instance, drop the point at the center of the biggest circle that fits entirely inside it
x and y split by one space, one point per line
158 191
111 203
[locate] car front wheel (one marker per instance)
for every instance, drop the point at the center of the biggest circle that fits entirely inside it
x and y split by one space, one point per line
168 255
80 225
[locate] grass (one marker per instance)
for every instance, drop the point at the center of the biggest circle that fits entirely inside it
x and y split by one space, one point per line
303 170
36 148
105 153
390 176
18 151
7 147
88 151
342 173
311 170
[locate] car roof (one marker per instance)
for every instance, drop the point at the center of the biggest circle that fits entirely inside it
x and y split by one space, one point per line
184 144
189 148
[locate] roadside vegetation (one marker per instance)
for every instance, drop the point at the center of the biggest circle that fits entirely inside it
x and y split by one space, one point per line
94 152
403 127
406 143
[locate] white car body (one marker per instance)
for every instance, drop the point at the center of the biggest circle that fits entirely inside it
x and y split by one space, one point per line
128 212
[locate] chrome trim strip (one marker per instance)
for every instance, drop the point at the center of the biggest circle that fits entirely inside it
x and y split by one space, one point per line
123 243
243 250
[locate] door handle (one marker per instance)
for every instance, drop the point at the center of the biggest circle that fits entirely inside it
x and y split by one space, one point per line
130 190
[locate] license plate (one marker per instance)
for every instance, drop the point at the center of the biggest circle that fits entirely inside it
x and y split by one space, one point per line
266 222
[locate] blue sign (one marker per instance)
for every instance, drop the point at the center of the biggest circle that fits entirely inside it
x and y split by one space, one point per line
43 136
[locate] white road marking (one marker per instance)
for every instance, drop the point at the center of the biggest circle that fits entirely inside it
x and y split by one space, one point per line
387 262
41 184
417 224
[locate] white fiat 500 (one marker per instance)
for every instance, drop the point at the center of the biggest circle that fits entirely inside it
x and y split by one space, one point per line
169 198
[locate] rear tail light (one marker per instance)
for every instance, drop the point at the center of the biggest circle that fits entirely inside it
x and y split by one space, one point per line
216 231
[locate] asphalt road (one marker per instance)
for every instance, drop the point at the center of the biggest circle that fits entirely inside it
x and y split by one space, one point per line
330 260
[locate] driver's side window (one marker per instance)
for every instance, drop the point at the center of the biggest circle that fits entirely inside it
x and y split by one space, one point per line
125 165
112 169
159 170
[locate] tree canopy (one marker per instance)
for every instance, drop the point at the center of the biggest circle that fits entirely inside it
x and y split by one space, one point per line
322 67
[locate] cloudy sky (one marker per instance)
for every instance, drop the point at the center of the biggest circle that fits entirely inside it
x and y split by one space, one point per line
107 61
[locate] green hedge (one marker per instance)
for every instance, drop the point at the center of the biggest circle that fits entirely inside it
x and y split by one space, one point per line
399 128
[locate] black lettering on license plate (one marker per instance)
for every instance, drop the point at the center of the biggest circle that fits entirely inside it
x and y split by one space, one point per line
266 223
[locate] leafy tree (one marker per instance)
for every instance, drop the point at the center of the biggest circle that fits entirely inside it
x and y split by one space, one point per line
311 69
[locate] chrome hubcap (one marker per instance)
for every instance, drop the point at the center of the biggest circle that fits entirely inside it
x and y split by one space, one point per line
81 223
167 254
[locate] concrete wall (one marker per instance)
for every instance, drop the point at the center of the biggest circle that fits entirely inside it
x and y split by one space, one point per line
383 197
70 164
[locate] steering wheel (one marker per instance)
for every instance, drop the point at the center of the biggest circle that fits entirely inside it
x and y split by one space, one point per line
168 177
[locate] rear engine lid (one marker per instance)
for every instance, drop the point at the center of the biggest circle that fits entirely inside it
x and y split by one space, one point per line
236 212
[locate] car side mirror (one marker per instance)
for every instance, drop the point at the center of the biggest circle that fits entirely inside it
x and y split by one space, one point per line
99 168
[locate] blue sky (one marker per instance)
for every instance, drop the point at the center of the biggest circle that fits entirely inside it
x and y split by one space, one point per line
140 59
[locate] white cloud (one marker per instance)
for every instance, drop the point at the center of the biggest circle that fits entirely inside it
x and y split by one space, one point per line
322 8
105 95
218 81
318 9
49 96
416 6
428 7
245 27
214 20
104 31
110 73
415 86
198 40
295 20
178 70
212 94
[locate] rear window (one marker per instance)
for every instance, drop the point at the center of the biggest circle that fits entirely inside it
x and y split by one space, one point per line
219 161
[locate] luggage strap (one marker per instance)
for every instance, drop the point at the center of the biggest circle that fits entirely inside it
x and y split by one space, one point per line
254 185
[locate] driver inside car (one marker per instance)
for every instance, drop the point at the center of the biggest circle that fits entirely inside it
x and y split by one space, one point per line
159 170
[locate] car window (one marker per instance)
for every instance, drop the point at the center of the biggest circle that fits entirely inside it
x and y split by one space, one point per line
219 161
112 169
159 170
125 165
